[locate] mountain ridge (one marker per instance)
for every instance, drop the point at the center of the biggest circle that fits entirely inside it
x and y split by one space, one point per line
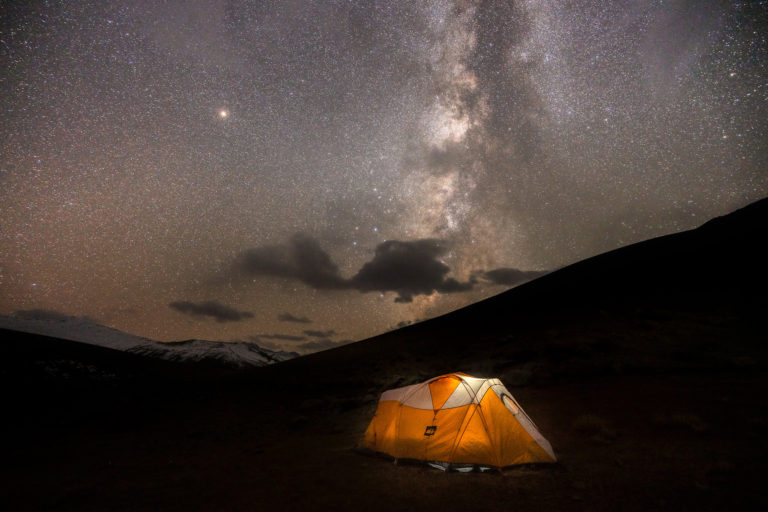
85 330
640 366
679 293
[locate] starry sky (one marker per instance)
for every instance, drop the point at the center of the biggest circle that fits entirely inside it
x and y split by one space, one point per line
304 173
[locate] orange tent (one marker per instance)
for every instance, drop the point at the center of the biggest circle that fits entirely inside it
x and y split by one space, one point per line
456 421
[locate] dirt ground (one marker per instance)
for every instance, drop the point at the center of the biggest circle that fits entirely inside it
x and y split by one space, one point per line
672 442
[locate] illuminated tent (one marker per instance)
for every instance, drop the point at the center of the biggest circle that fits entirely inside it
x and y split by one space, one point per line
456 421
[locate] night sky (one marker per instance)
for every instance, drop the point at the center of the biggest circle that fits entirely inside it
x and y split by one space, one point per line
304 173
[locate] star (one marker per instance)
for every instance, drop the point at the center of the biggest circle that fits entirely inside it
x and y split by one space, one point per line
511 134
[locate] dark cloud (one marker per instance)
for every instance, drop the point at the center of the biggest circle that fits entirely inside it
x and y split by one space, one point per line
510 276
320 334
211 308
301 259
48 315
406 268
284 337
287 317
321 344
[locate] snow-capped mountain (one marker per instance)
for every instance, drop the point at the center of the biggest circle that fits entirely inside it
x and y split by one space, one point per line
85 330
240 353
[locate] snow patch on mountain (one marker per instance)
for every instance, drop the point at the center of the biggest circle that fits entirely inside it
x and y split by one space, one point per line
85 330
240 353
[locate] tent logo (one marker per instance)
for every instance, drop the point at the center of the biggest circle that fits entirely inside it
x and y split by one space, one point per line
430 431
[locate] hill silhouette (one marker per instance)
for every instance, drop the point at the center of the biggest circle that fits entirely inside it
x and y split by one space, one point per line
682 301
643 367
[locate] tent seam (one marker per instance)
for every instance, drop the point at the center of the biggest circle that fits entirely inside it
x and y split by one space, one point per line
460 436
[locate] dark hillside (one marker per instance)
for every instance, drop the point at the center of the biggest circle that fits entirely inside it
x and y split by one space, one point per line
679 302
644 367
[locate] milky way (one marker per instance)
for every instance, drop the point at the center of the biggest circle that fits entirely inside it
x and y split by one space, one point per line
307 173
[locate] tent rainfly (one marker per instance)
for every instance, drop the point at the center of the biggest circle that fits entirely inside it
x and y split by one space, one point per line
456 421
